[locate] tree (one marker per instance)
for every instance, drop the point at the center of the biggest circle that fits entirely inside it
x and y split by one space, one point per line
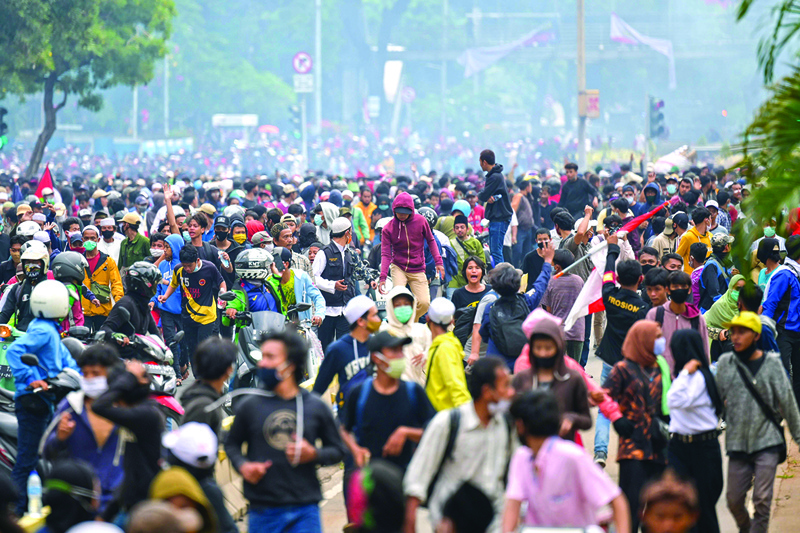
78 47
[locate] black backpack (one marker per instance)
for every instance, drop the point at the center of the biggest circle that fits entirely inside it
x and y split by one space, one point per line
506 318
464 320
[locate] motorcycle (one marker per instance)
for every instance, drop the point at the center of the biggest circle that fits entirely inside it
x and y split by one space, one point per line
8 334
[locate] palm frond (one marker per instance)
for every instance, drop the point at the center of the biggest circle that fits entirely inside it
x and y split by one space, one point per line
786 28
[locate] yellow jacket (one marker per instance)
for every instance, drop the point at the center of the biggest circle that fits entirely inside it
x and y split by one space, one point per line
687 240
447 384
367 212
107 274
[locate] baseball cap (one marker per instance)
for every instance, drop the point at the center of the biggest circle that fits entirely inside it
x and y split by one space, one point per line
746 319
23 208
712 203
222 221
288 218
441 311
668 227
719 240
381 223
60 209
260 237
193 443
681 220
75 237
650 167
357 307
47 191
384 339
85 212
141 200
592 223
403 210
289 189
344 211
132 218
208 209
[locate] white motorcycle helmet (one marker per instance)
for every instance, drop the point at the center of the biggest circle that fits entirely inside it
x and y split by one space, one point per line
32 244
50 299
28 228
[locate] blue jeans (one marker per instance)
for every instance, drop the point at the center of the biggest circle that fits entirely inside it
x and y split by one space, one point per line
30 428
586 338
523 246
293 519
603 424
497 232
170 325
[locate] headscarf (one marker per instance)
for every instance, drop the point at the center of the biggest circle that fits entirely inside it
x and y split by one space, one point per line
307 235
725 308
253 227
687 344
638 345
176 481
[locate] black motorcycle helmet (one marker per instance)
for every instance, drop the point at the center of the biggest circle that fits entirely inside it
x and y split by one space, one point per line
430 215
142 279
70 267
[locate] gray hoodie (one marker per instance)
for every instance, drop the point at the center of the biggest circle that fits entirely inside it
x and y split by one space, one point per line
329 213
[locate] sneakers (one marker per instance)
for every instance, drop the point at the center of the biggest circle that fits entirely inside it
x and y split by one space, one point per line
600 458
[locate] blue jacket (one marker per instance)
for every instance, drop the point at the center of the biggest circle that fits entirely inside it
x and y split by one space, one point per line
43 340
259 298
173 303
533 300
106 460
306 291
781 298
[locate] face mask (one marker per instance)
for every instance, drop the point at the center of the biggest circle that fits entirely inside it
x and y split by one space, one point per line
318 220
499 408
94 387
186 236
545 362
403 314
156 252
660 345
679 296
240 238
373 327
141 208
650 199
269 247
221 235
396 366
89 246
631 200
107 234
769 232
269 377
646 269
672 189
33 273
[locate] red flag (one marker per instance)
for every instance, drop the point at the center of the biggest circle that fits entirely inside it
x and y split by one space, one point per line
45 181
637 221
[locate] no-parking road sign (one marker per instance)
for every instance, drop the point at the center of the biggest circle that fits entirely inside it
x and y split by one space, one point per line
302 63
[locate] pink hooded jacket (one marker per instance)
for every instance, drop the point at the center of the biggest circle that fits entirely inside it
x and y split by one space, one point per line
403 243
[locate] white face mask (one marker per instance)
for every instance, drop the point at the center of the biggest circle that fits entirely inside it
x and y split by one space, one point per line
499 408
156 252
269 247
94 387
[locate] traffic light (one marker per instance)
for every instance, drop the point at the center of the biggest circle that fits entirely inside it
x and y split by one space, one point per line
657 129
296 120
3 127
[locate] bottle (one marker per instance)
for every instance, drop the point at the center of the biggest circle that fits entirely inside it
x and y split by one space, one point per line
34 495
225 262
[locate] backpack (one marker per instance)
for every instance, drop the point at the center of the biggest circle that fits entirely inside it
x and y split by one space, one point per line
464 320
505 319
450 260
695 320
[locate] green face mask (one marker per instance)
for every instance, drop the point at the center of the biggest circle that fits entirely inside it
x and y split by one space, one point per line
672 189
403 313
735 296
396 366
90 245
769 232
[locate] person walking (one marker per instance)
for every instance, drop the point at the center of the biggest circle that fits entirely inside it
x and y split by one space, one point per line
498 204
135 247
446 383
104 279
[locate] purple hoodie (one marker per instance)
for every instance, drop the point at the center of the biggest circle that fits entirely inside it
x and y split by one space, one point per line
403 243
673 323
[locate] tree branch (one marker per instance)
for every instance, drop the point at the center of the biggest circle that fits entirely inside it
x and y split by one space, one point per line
63 102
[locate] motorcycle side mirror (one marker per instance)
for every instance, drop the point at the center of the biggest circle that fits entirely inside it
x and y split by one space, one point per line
178 337
126 315
29 359
301 307
227 297
100 336
80 332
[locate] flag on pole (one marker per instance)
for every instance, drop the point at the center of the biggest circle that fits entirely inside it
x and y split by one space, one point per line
46 181
622 32
475 60
590 299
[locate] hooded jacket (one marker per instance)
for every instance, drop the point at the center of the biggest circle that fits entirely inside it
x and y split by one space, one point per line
673 322
176 481
308 193
567 385
195 399
329 213
335 198
419 334
167 268
307 236
499 210
402 242
644 207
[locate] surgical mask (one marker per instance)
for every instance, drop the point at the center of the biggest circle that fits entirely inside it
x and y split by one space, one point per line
499 408
240 238
221 235
269 247
156 252
94 387
631 200
107 234
396 366
90 245
141 208
269 377
318 220
735 296
660 345
186 236
404 313
672 189
544 362
769 232
373 327
679 296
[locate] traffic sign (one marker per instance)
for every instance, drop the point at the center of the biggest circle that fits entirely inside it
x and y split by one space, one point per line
302 63
374 106
589 103
408 94
303 83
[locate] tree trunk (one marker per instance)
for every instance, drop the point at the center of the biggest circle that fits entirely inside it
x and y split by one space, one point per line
49 125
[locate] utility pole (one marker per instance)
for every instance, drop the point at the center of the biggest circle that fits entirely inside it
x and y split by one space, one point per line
581 63
304 131
318 69
445 10
166 95
135 117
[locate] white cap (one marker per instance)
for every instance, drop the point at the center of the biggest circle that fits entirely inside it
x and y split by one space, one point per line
651 167
46 191
108 222
712 203
39 217
357 307
441 311
550 173
41 236
94 527
193 443
347 193
382 222
592 223
340 225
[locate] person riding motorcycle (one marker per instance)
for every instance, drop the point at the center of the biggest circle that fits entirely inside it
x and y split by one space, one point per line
70 269
293 286
252 294
140 283
35 260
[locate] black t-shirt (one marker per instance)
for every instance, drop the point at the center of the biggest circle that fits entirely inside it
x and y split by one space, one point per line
575 196
462 297
754 366
383 414
532 266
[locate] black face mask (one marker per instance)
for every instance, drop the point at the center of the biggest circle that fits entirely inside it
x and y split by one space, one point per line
646 269
221 235
679 296
107 234
650 199
747 353
544 362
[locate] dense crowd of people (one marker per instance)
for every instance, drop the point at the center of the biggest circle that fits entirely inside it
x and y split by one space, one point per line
436 336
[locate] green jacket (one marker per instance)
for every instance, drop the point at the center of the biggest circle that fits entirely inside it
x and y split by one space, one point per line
360 223
131 251
464 249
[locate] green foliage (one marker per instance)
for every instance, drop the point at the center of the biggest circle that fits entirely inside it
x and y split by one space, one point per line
787 24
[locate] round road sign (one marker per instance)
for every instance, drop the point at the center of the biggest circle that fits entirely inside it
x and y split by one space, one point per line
408 94
302 63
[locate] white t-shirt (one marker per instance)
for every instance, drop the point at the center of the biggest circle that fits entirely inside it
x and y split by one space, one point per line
514 222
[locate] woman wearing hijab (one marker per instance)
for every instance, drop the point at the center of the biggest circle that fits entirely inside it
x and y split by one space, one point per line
306 237
694 408
636 384
548 371
253 227
722 312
